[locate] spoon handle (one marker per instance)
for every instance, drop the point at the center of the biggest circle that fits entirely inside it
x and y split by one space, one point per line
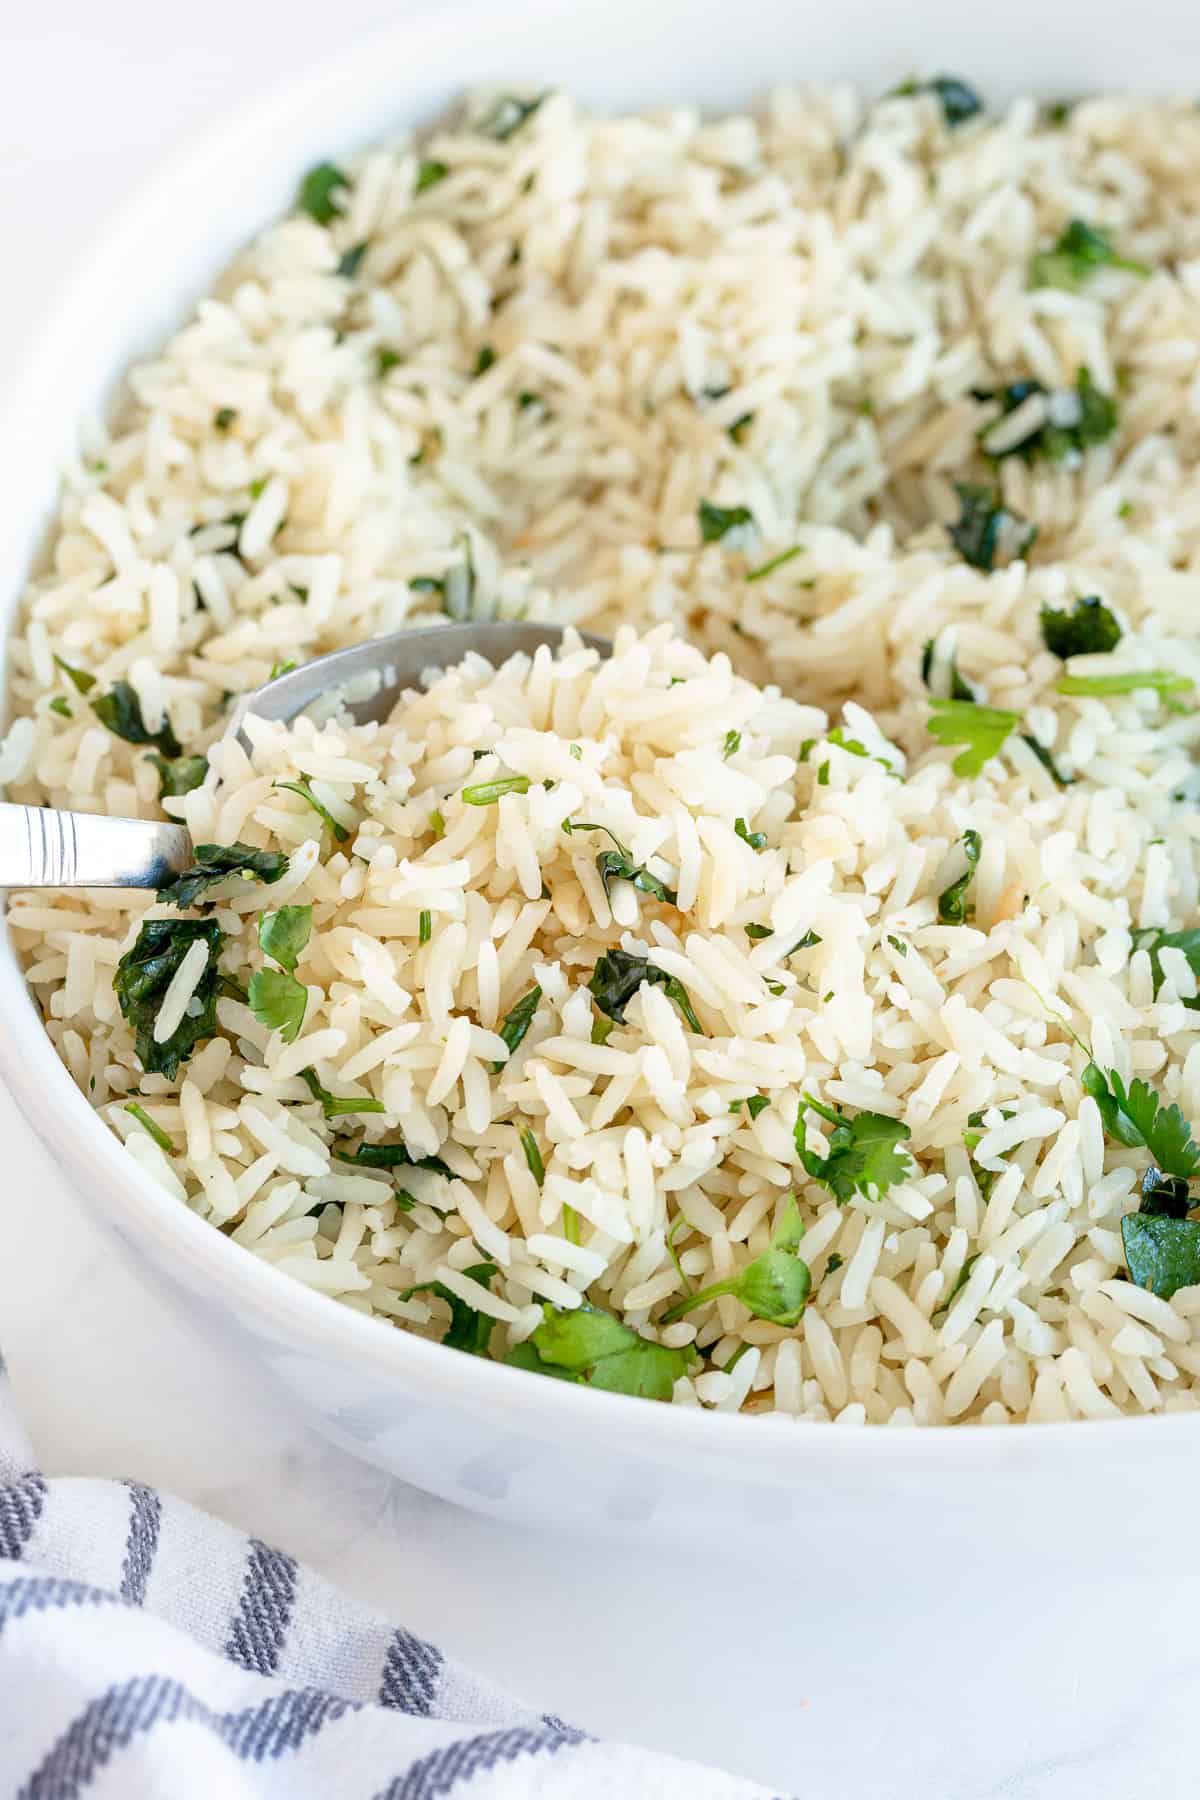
40 847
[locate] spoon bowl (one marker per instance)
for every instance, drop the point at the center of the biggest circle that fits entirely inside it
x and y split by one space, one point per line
41 847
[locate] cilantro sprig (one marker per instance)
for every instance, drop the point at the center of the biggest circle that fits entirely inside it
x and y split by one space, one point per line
775 1286
865 1155
591 1347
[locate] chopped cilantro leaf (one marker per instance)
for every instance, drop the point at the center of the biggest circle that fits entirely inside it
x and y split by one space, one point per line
470 1329
953 906
350 261
393 1155
278 1001
590 1346
617 865
1081 249
80 679
982 729
178 774
429 173
985 527
215 863
304 789
864 1154
733 743
955 688
61 707
1162 1253
486 793
518 1021
717 521
960 1282
617 977
121 710
142 977
1089 629
321 193
283 935
757 840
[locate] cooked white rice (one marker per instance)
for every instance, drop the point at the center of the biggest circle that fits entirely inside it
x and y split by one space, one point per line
785 313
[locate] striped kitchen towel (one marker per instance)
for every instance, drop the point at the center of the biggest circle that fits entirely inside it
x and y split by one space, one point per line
147 1650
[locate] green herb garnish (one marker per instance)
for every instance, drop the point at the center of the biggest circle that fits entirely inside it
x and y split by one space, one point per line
619 974
487 793
716 521
334 1106
224 417
142 977
959 101
1162 1253
776 562
214 863
985 527
507 116
864 1155
395 1155
321 191
305 792
147 1124
429 173
1089 629
278 1001
956 687
178 774
1081 250
518 1021
1137 1117
592 1347
1161 680
283 935
617 865
81 681
533 1155
60 706
470 1329
982 729
425 927
1076 419
757 840
953 906
775 1286
1047 761
121 710
733 743
960 1282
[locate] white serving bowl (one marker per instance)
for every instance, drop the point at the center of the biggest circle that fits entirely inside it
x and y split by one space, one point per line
489 1437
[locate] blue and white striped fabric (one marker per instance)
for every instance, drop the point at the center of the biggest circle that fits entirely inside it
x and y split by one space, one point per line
147 1650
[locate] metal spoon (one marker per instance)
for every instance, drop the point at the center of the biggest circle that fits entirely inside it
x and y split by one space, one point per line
40 847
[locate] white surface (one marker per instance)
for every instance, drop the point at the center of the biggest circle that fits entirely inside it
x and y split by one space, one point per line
994 1684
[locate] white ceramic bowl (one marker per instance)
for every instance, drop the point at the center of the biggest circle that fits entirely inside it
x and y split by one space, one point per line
490 1437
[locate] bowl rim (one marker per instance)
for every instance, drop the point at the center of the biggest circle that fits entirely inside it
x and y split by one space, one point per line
92 1155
